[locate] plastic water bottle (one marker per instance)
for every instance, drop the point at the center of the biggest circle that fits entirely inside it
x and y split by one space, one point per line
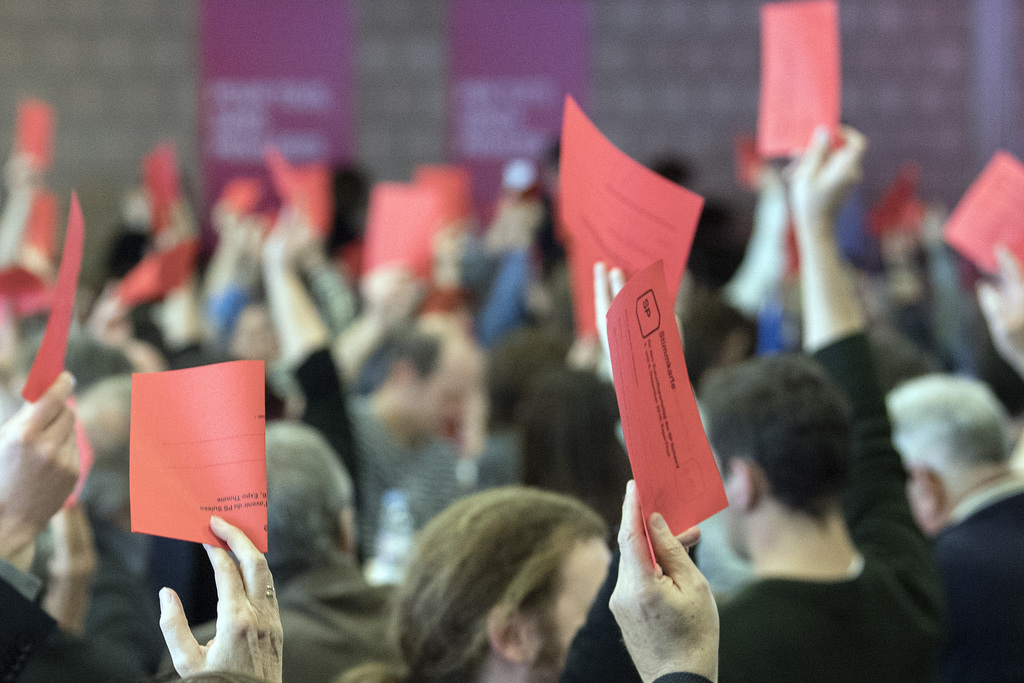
394 540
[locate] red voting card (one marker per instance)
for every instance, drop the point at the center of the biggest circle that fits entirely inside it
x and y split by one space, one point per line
85 458
453 186
748 162
672 463
198 449
282 175
33 133
158 274
40 234
899 209
49 360
160 175
316 197
991 213
800 75
400 227
242 195
617 210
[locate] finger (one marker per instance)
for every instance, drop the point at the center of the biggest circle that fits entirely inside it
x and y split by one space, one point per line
635 557
255 572
185 651
618 281
50 405
602 301
988 300
1009 268
672 557
845 163
690 537
814 156
231 596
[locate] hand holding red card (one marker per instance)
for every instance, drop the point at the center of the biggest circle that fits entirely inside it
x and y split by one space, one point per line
672 463
198 448
800 75
49 361
618 211
33 133
991 213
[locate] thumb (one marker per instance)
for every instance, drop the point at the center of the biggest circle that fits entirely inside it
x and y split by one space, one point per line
185 652
668 551
988 300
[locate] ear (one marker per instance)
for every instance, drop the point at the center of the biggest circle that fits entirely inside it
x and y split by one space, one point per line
745 485
929 500
347 540
513 636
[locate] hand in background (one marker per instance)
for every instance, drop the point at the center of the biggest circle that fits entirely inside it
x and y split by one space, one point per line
71 570
607 285
667 614
1003 306
249 635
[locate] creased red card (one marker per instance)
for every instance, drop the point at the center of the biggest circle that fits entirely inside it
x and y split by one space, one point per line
33 131
672 463
454 187
85 457
800 75
41 232
197 449
400 227
899 209
748 162
991 213
49 362
619 211
163 185
158 274
242 195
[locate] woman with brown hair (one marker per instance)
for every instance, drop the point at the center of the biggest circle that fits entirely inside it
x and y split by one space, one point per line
499 585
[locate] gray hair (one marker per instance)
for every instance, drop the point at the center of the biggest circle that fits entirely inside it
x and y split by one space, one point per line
307 489
105 411
947 422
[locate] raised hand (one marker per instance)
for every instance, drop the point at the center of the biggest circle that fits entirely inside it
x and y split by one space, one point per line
1003 306
822 178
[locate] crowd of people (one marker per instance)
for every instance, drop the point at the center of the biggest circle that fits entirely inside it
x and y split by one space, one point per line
448 493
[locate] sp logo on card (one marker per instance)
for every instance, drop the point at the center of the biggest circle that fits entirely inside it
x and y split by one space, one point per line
647 314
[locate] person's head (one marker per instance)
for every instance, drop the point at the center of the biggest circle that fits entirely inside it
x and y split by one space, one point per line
952 434
569 440
716 334
253 336
781 431
310 501
498 586
425 376
91 361
105 412
514 364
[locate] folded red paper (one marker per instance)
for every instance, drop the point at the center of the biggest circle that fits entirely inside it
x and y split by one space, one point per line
49 360
800 75
454 188
617 210
400 227
672 463
991 213
198 449
242 195
158 274
33 131
163 186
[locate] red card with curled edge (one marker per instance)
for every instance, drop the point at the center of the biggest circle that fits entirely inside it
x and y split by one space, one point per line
49 360
674 468
197 449
163 185
242 195
619 211
33 131
400 227
454 187
991 213
800 75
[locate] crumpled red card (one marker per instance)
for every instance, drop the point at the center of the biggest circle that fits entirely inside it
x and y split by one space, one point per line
33 131
242 195
158 274
991 213
197 449
163 184
454 187
400 227
899 209
800 75
49 362
673 465
618 211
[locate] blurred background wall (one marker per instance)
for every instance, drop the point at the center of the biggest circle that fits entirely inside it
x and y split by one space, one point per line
938 81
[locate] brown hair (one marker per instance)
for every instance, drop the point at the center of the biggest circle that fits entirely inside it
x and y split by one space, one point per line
501 548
